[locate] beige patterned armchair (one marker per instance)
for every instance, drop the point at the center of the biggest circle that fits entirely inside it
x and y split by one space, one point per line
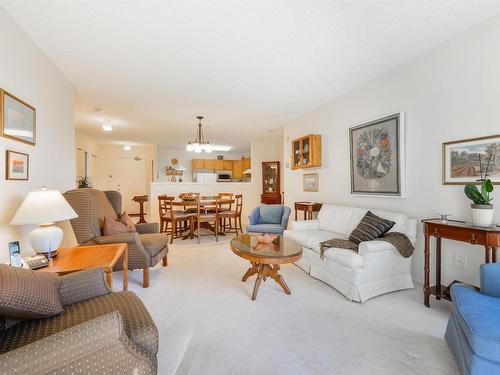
146 247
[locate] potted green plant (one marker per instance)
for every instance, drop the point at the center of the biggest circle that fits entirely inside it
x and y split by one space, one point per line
482 209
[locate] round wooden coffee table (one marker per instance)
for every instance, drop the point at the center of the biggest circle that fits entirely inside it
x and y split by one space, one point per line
266 258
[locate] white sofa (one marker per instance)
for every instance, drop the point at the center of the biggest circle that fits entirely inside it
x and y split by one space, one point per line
376 268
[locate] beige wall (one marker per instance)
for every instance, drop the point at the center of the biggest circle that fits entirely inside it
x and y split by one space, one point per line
27 73
450 93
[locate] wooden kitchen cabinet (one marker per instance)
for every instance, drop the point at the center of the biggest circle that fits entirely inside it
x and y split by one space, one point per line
197 164
228 165
306 152
247 163
209 164
237 169
219 165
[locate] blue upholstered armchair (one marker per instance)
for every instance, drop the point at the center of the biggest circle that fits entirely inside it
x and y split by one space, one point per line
473 331
268 218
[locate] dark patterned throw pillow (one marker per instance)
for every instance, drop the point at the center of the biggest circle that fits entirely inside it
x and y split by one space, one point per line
370 227
28 294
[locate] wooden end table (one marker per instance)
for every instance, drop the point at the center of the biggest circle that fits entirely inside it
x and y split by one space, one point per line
266 258
73 259
488 237
308 208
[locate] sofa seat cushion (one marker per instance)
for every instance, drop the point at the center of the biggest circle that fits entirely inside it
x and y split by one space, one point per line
154 242
265 228
310 238
137 322
270 214
479 317
348 258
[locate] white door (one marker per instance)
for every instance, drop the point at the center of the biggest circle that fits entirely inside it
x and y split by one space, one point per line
130 181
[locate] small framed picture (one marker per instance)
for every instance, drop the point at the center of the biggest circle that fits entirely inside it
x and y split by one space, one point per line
16 165
311 181
17 118
463 160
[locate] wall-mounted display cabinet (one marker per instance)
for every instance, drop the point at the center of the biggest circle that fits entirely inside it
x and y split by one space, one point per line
306 152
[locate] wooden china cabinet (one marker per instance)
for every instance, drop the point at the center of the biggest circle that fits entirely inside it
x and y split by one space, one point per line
306 152
271 187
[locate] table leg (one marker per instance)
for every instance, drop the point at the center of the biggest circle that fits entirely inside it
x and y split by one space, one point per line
486 254
125 269
494 254
295 214
257 282
109 279
438 268
427 290
279 279
251 271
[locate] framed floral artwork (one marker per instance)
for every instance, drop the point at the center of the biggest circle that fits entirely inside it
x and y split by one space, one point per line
16 165
377 159
464 159
17 119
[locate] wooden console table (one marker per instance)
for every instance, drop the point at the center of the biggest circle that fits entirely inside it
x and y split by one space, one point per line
308 208
458 231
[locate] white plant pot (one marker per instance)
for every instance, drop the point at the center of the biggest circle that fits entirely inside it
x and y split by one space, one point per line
482 215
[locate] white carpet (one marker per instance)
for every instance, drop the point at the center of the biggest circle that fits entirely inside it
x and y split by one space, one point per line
209 325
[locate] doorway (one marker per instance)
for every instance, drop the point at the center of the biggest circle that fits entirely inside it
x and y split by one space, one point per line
131 181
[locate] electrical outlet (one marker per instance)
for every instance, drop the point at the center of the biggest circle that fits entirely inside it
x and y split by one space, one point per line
460 261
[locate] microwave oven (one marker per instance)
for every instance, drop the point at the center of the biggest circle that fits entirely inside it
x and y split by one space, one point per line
224 176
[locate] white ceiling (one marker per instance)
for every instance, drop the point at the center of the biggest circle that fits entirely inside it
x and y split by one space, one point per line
247 66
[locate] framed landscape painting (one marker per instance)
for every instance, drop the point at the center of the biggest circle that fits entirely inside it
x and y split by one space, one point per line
377 159
464 159
17 119
311 181
16 165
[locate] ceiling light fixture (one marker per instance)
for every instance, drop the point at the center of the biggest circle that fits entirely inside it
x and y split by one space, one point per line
106 126
127 147
200 143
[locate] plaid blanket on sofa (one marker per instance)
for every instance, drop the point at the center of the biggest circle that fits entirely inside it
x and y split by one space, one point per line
399 240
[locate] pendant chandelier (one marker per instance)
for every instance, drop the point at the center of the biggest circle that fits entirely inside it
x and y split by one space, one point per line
200 143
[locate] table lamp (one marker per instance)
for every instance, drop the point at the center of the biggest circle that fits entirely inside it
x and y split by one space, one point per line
44 208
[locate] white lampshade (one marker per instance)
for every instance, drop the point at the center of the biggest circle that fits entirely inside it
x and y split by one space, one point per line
43 207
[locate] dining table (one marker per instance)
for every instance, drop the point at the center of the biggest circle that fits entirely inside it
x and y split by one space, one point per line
206 203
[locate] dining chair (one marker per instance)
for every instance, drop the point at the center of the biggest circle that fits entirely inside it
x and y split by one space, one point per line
233 215
178 219
225 207
207 211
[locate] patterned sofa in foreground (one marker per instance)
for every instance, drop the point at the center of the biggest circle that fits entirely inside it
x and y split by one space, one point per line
376 268
96 332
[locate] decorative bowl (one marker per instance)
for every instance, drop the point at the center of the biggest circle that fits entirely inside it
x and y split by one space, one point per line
265 237
187 196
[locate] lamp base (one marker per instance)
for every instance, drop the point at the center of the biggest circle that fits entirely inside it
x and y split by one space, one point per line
46 238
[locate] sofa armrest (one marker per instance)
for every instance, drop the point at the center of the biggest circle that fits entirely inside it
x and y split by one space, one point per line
254 216
83 285
370 247
304 225
490 279
145 228
129 237
78 346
